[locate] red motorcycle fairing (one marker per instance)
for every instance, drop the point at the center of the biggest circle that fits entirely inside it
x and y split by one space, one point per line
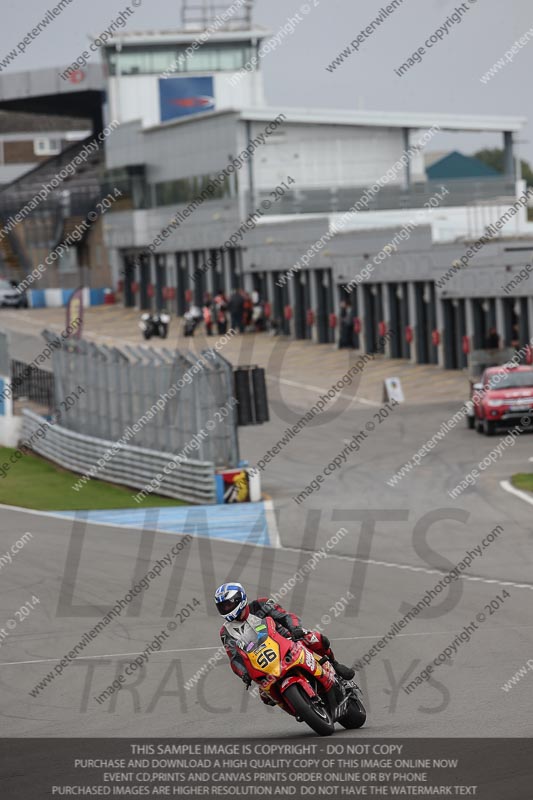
279 663
297 679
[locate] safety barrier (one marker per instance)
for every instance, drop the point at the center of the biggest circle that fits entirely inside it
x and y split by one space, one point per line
192 481
168 397
32 383
57 298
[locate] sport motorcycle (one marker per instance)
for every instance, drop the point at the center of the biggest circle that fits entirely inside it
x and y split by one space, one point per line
155 325
300 682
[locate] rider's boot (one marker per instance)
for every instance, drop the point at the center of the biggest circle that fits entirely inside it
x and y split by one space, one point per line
347 673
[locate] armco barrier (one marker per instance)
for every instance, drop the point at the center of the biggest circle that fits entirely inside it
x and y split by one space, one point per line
193 481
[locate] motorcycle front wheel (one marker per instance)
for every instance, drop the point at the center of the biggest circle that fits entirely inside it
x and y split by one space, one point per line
147 334
355 717
315 715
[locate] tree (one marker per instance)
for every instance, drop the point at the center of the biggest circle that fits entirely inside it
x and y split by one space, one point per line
494 158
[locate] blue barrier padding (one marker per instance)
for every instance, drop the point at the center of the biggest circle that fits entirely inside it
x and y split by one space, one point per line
96 297
236 522
37 298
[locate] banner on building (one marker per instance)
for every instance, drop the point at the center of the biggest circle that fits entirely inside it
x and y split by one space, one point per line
181 97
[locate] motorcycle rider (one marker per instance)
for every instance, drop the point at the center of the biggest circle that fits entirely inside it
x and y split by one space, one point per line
232 603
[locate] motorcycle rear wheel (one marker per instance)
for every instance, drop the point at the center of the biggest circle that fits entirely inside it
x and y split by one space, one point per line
317 717
355 717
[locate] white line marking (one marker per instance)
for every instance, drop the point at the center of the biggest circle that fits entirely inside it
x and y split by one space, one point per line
217 647
321 389
272 524
104 655
373 562
429 633
508 487
420 569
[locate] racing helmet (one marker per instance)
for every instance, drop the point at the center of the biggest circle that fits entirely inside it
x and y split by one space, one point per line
231 601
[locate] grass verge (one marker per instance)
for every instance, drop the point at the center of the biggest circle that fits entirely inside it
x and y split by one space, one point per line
523 481
33 482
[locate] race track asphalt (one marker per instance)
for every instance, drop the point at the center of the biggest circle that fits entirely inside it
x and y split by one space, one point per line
422 533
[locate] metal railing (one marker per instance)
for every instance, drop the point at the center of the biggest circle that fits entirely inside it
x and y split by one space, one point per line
461 192
122 387
192 481
198 15
32 383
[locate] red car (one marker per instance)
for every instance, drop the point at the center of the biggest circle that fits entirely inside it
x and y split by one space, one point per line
504 397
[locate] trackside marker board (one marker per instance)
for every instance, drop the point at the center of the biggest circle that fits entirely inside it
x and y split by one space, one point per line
392 390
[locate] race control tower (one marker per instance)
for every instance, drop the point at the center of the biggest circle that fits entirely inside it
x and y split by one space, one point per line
209 64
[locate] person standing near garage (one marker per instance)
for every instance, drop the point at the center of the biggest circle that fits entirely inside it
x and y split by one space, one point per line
236 310
492 341
207 311
346 324
221 306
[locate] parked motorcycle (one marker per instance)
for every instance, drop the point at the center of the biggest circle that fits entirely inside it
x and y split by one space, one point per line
155 325
297 681
192 319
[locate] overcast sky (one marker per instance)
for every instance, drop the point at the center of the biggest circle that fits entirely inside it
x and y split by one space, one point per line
447 80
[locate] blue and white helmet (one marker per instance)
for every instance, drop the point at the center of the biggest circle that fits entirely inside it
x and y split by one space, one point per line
231 601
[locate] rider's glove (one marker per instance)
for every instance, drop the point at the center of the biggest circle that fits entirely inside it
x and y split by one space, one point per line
246 679
298 633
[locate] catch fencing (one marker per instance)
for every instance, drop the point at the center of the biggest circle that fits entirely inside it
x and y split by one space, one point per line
4 355
32 383
122 385
193 481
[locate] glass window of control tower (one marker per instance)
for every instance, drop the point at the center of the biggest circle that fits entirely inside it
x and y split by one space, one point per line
155 59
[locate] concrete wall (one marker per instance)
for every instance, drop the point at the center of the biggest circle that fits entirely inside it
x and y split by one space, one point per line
275 246
326 156
175 149
10 431
209 226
